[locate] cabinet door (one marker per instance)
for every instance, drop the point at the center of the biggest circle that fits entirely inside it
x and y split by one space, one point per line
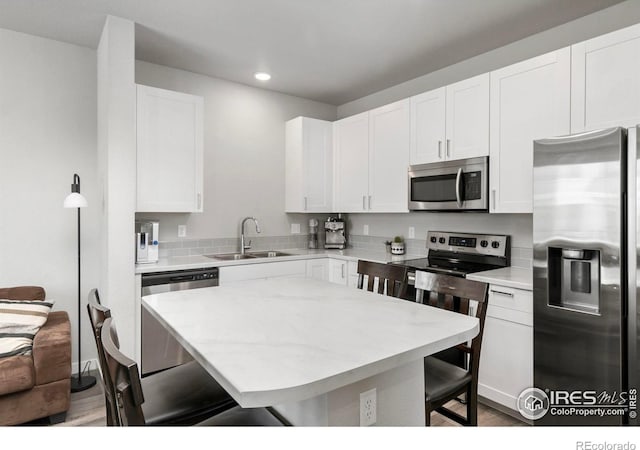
308 165
317 165
169 151
389 128
506 361
338 271
529 100
351 145
467 120
605 85
318 269
428 127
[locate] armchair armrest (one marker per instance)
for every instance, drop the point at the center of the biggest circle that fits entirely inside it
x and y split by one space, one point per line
52 349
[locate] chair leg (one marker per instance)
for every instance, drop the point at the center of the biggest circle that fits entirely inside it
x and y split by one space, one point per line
427 416
57 418
472 407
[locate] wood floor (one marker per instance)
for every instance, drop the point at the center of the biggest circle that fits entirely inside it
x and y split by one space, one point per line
87 409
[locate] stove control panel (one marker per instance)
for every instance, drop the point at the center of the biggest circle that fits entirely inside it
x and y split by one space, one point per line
481 244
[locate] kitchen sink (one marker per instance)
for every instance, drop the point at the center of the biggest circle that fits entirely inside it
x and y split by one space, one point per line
231 256
251 255
269 254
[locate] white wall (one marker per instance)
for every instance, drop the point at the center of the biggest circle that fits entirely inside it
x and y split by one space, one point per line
48 133
243 153
601 22
117 172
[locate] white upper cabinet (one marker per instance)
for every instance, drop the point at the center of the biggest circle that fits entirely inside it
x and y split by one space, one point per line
428 126
308 165
451 122
468 118
605 81
389 130
169 151
351 152
529 100
371 160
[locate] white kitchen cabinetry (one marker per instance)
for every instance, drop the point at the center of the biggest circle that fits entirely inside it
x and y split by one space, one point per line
318 269
605 86
169 151
308 165
451 122
338 271
506 360
371 160
529 100
264 270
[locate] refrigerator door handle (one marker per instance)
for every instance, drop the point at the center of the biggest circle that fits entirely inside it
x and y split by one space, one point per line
633 252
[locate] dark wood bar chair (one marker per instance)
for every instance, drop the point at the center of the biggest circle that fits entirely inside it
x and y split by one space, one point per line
394 278
445 381
130 394
181 395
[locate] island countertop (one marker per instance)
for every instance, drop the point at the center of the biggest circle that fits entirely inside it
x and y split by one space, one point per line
284 340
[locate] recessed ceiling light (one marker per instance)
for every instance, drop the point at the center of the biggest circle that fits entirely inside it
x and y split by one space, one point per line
262 76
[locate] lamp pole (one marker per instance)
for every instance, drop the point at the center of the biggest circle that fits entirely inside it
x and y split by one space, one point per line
76 200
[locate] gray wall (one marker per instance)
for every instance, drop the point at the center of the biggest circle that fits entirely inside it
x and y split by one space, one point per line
243 154
601 22
48 133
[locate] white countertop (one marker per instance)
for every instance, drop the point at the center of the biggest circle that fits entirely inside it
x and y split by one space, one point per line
199 261
281 340
515 277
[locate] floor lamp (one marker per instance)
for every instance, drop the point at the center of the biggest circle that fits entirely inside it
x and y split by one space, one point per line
77 200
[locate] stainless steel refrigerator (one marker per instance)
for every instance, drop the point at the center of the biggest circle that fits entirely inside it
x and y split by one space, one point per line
585 280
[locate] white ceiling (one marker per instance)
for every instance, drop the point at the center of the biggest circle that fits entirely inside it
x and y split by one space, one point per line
332 51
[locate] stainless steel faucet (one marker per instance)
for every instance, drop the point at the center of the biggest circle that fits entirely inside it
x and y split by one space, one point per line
242 246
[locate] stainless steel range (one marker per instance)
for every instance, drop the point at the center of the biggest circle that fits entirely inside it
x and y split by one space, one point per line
459 254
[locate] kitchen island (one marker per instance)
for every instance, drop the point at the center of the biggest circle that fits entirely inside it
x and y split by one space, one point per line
310 348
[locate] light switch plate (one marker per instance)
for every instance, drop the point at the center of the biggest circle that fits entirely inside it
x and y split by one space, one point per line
182 231
295 228
365 230
412 232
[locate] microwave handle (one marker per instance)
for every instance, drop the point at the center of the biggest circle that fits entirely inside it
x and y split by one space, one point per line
458 181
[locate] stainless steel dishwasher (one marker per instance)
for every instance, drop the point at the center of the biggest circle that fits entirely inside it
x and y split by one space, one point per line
159 349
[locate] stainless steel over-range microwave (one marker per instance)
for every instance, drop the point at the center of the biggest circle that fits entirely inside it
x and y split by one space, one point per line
461 185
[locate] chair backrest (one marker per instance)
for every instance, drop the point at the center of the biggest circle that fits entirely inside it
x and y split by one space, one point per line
125 379
458 295
394 278
98 313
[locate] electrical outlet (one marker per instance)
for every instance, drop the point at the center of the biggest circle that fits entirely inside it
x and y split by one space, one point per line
412 232
295 228
368 408
365 230
182 231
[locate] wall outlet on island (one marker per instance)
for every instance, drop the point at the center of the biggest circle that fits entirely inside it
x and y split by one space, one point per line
365 230
295 228
368 408
182 231
412 232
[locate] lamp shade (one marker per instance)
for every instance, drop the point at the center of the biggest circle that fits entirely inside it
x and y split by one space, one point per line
75 200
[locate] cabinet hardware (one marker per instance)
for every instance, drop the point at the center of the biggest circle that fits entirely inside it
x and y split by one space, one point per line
508 294
369 202
199 201
439 149
364 202
342 267
305 203
448 145
493 199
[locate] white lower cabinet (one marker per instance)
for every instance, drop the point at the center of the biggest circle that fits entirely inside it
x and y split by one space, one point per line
265 270
506 358
352 274
318 269
338 271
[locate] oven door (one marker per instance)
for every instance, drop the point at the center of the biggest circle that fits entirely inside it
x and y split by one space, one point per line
461 185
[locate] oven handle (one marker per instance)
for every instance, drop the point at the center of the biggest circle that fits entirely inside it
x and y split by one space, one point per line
458 180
